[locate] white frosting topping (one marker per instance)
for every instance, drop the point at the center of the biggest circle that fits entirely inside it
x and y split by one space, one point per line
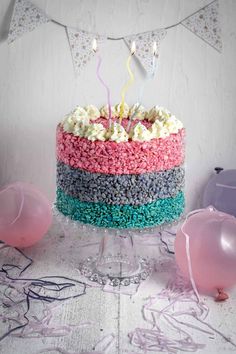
159 130
68 124
155 128
140 112
104 111
117 133
163 133
95 131
80 123
140 133
125 111
173 125
80 115
79 129
157 112
92 112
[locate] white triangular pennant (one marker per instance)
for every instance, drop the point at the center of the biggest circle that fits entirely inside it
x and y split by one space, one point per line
26 17
144 46
205 24
81 46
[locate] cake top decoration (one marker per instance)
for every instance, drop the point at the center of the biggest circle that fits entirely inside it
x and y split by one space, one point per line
91 123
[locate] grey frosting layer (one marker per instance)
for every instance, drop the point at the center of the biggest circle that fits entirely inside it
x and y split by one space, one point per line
119 189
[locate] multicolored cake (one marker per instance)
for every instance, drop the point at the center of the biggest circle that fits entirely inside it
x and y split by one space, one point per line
124 172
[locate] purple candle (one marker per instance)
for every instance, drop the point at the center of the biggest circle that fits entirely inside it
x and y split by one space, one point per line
102 81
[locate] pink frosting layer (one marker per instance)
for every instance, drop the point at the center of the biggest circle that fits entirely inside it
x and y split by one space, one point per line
130 157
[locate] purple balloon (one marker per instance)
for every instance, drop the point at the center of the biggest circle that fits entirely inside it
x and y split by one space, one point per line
220 192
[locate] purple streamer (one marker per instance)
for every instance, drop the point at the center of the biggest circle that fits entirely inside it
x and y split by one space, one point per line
20 293
178 291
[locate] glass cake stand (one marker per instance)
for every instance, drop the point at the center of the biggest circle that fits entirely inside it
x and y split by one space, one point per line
116 262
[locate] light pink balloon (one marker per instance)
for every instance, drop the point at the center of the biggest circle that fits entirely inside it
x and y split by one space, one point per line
25 215
212 245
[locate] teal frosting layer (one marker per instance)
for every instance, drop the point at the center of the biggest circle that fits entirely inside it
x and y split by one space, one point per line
121 216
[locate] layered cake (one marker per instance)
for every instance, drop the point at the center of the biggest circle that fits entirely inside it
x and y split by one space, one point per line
122 172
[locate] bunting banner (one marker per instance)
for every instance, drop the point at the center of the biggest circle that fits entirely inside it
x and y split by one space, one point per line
205 24
144 47
26 17
81 47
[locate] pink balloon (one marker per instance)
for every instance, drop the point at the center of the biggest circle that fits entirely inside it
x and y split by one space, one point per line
212 245
25 215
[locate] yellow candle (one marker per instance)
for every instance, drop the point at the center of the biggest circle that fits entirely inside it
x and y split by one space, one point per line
147 78
129 83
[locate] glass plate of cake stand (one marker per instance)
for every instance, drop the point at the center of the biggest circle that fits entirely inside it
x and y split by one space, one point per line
116 262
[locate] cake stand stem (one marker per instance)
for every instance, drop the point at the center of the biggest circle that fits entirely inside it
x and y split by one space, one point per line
117 255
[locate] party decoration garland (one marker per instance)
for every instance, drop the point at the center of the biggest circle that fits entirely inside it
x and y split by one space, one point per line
81 47
26 17
144 49
204 23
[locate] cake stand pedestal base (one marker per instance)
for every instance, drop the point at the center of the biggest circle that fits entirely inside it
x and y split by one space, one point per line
117 262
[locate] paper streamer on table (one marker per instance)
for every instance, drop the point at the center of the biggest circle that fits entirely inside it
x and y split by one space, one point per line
144 46
205 24
26 17
81 46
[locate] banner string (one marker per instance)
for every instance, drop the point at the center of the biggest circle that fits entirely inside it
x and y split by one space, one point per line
166 28
203 23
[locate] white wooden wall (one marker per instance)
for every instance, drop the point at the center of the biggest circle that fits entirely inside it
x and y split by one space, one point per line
38 86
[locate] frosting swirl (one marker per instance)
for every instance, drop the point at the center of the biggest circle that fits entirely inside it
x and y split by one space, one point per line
173 125
117 133
155 128
95 131
79 129
140 112
140 133
159 130
163 133
92 112
80 115
104 111
125 111
157 112
68 124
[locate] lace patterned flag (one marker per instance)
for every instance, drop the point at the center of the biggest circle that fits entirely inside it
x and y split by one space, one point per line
205 24
26 17
81 47
144 47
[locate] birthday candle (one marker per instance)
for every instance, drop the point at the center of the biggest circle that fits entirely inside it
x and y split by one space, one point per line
94 46
147 78
129 83
154 51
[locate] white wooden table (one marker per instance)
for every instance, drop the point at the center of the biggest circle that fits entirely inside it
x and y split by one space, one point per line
101 317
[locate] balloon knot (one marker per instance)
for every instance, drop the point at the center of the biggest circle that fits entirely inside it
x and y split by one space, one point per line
222 296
